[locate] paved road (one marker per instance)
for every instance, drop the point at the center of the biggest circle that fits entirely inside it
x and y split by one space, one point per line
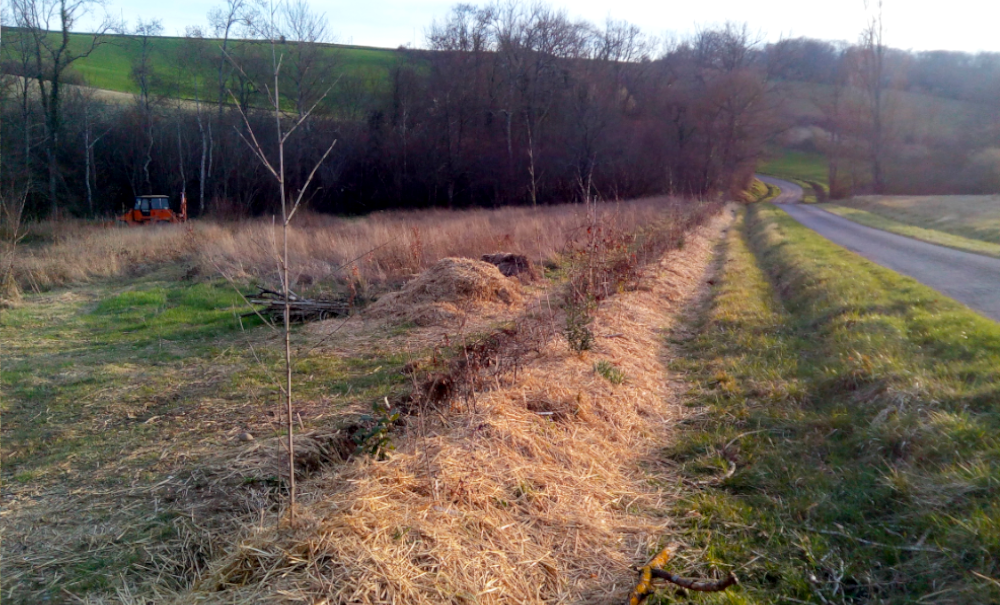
968 278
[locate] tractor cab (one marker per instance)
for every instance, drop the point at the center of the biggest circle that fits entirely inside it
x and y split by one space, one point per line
153 209
147 203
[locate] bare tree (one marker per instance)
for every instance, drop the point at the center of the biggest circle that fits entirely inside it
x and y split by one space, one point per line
835 110
18 47
871 71
53 55
733 110
463 43
90 139
309 65
291 201
226 21
145 78
195 51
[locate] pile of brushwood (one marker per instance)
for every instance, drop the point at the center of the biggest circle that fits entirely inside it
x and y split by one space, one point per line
300 309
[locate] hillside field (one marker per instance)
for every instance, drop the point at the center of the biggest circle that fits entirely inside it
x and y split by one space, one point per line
110 66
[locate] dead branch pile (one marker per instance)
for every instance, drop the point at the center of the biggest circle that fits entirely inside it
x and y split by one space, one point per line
300 309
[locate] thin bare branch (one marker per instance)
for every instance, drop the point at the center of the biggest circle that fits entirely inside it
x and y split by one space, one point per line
302 191
308 113
256 146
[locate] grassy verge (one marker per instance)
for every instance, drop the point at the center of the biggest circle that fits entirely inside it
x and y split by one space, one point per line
859 410
922 233
755 192
759 191
975 217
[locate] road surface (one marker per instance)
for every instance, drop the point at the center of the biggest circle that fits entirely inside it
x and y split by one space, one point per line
968 278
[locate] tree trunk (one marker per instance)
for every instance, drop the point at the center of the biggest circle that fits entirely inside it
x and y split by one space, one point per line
180 160
52 148
87 149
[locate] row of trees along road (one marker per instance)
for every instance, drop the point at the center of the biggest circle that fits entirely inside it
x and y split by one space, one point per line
511 103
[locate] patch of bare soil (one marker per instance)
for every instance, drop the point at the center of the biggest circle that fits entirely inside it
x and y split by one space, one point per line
535 489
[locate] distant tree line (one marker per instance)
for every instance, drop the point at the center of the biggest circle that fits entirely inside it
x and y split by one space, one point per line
891 121
973 77
509 103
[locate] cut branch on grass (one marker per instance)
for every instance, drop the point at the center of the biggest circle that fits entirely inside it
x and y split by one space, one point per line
696 585
302 309
654 570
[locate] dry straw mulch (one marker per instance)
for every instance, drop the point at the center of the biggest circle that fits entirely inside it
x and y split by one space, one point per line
446 292
537 492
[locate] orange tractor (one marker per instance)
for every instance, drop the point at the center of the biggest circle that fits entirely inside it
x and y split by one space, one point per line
153 210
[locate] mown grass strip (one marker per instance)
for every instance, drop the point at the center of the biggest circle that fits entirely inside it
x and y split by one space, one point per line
860 409
932 236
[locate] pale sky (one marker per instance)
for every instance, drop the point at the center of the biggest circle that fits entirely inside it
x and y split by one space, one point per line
968 25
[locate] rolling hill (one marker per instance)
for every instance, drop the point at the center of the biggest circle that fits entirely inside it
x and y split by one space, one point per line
183 66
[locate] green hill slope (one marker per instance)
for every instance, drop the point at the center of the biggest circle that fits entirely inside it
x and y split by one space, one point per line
183 66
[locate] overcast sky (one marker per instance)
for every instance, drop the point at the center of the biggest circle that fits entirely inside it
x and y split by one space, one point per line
969 25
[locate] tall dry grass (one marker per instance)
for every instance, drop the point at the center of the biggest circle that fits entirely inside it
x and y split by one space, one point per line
384 247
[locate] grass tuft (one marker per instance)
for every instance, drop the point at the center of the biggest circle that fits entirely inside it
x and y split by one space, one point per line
610 372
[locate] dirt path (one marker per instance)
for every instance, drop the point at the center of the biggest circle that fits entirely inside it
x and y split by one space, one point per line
968 278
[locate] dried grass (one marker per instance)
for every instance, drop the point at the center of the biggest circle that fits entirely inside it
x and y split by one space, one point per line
537 491
388 247
447 291
530 492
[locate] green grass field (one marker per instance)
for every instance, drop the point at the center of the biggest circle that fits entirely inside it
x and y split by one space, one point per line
178 75
803 168
796 165
858 412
